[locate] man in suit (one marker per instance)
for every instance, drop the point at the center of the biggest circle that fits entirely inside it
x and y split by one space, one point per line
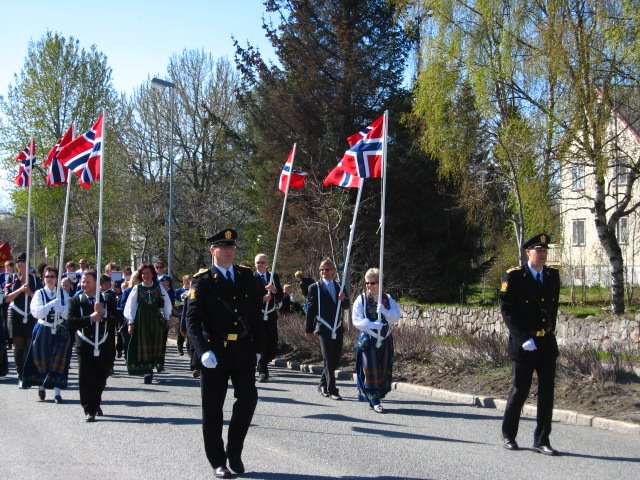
529 304
324 299
271 294
84 313
223 324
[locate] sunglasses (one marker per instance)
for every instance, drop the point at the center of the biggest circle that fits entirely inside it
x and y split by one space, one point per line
50 276
326 269
370 283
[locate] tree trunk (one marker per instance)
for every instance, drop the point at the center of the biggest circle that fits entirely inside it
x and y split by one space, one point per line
609 242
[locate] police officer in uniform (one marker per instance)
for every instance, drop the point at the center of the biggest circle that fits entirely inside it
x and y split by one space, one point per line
529 305
271 293
223 324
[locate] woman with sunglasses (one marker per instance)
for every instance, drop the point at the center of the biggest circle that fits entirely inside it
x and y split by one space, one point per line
374 347
48 358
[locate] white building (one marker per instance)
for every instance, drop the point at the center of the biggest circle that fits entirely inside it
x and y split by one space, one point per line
583 259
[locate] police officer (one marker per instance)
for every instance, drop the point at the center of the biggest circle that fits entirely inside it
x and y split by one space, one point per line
529 305
223 324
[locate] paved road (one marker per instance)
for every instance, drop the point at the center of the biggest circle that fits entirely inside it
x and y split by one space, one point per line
153 432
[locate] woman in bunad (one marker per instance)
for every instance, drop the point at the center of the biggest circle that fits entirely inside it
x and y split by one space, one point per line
147 313
48 358
374 347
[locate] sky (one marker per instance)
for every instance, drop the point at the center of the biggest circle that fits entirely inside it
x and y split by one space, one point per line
137 36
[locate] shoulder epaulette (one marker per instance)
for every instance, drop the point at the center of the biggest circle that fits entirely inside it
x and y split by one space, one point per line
513 269
201 272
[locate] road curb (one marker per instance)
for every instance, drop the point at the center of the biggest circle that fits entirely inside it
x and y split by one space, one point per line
565 416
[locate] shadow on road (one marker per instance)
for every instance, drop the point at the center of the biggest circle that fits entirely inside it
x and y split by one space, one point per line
297 476
410 436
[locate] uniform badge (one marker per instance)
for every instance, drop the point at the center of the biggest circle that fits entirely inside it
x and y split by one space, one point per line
228 234
543 239
192 294
503 286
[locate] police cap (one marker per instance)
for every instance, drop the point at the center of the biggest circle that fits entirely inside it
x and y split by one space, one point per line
538 241
224 238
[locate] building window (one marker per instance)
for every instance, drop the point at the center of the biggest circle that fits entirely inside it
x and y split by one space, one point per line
621 174
577 177
622 230
578 233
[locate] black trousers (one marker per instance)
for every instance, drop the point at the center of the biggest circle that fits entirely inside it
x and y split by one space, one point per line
213 389
331 352
92 378
269 345
522 374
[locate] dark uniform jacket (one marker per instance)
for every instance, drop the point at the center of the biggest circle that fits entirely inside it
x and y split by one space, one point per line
276 298
231 331
529 310
324 305
80 309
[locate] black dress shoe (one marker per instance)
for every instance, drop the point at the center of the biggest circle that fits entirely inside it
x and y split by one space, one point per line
99 412
336 396
509 444
322 391
263 378
545 449
90 417
42 394
160 368
222 472
58 399
235 464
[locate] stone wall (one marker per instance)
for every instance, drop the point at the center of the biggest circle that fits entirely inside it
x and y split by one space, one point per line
601 333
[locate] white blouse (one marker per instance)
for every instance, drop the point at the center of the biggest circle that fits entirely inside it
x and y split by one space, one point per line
131 306
359 317
38 306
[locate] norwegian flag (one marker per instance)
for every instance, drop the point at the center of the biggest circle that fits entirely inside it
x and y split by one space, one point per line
364 157
340 178
56 171
82 155
297 177
28 159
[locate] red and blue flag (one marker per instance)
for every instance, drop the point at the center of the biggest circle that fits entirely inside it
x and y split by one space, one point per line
364 157
340 178
27 157
297 177
82 155
56 171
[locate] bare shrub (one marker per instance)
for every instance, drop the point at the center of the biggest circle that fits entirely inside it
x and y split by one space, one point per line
600 367
414 342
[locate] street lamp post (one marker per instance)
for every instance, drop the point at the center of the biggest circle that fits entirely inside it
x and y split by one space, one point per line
159 83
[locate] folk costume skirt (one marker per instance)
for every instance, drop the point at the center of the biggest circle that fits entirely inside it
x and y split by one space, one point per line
373 368
47 361
146 345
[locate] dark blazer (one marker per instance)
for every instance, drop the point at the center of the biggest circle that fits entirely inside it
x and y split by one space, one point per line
527 309
275 298
327 307
79 319
212 326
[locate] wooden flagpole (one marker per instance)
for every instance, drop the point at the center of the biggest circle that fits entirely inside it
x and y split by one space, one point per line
284 206
382 216
31 159
346 260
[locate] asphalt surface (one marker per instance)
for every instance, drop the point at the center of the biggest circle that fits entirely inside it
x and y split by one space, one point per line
154 432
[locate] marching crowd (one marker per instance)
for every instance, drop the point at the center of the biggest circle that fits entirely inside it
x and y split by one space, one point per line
228 317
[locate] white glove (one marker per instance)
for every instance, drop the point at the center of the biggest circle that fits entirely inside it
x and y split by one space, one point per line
258 357
376 325
381 309
58 307
530 345
209 359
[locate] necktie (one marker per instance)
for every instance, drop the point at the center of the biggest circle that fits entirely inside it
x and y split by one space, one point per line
332 290
539 279
264 278
229 276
